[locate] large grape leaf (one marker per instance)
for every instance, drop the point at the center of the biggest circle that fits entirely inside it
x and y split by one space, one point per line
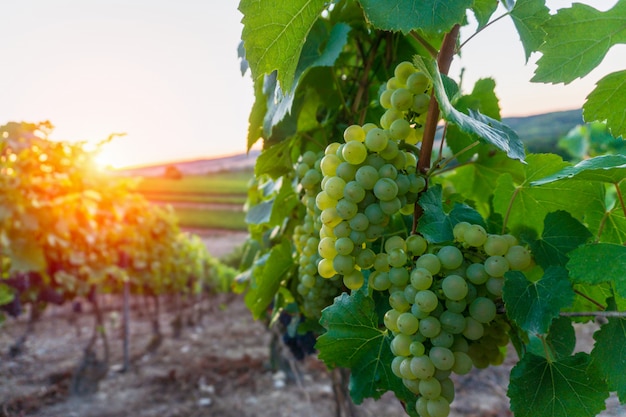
533 305
561 340
561 234
529 16
430 16
609 222
354 340
483 10
605 168
523 205
607 102
274 33
257 114
609 350
486 128
435 224
599 262
567 387
577 40
267 274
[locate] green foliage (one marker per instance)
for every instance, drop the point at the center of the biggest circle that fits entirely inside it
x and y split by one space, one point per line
598 263
607 102
529 17
609 350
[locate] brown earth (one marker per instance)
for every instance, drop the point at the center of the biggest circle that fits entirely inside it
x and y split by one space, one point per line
218 367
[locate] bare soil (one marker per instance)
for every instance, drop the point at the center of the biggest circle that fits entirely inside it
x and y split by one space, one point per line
219 367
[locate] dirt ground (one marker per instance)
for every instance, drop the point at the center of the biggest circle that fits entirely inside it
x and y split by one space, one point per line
218 367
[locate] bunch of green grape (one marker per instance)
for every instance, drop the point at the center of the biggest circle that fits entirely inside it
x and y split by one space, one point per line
443 308
370 178
316 292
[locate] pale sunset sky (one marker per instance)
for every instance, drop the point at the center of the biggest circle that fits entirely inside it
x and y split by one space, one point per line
167 74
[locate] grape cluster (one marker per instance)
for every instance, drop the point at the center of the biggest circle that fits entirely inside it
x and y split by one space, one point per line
316 292
370 178
443 309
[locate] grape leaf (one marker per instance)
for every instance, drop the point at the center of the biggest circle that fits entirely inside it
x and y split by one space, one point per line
561 340
607 102
609 222
599 262
430 16
435 224
533 305
483 10
605 168
275 160
577 40
354 340
486 128
561 234
257 114
609 350
274 41
564 388
529 16
524 206
267 274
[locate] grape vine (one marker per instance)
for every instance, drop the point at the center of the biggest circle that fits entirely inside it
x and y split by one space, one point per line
395 215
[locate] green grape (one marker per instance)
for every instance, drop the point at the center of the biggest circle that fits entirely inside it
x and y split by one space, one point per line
442 357
388 171
438 407
379 281
394 83
496 266
329 164
450 257
354 152
475 235
412 385
430 326
375 160
400 277
397 301
459 231
397 258
417 349
343 246
354 192
367 176
417 183
346 209
407 323
495 245
395 242
405 370
399 129
474 330
447 389
510 240
346 171
416 245
494 285
342 229
456 306
453 323
391 207
381 263
454 287
476 274
334 187
375 140
359 222
385 99
390 116
327 248
325 268
391 151
395 365
443 339
417 83
430 262
365 258
311 178
415 309
400 345
343 264
358 237
403 183
402 99
460 344
421 278
391 320
421 366
420 103
308 281
518 258
421 406
426 300
354 133
354 280
483 310
403 70
430 388
385 189
331 149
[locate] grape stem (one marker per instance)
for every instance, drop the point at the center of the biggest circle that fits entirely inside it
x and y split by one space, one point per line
444 60
361 93
606 314
432 51
620 197
481 29
591 300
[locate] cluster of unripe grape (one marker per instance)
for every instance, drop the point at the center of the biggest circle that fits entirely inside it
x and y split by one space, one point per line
443 308
316 292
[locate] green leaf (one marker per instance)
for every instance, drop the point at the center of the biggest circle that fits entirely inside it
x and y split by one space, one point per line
435 224
267 274
483 10
564 388
26 255
599 262
257 114
6 294
561 340
430 16
486 128
533 305
274 34
577 40
275 160
610 350
609 222
529 16
354 340
605 168
524 206
607 102
561 234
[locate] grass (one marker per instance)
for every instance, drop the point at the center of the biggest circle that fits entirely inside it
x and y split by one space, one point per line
230 183
211 219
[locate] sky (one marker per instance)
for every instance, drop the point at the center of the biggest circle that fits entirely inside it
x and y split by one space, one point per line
167 74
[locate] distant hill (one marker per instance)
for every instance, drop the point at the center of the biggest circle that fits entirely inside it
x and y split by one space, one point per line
538 132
